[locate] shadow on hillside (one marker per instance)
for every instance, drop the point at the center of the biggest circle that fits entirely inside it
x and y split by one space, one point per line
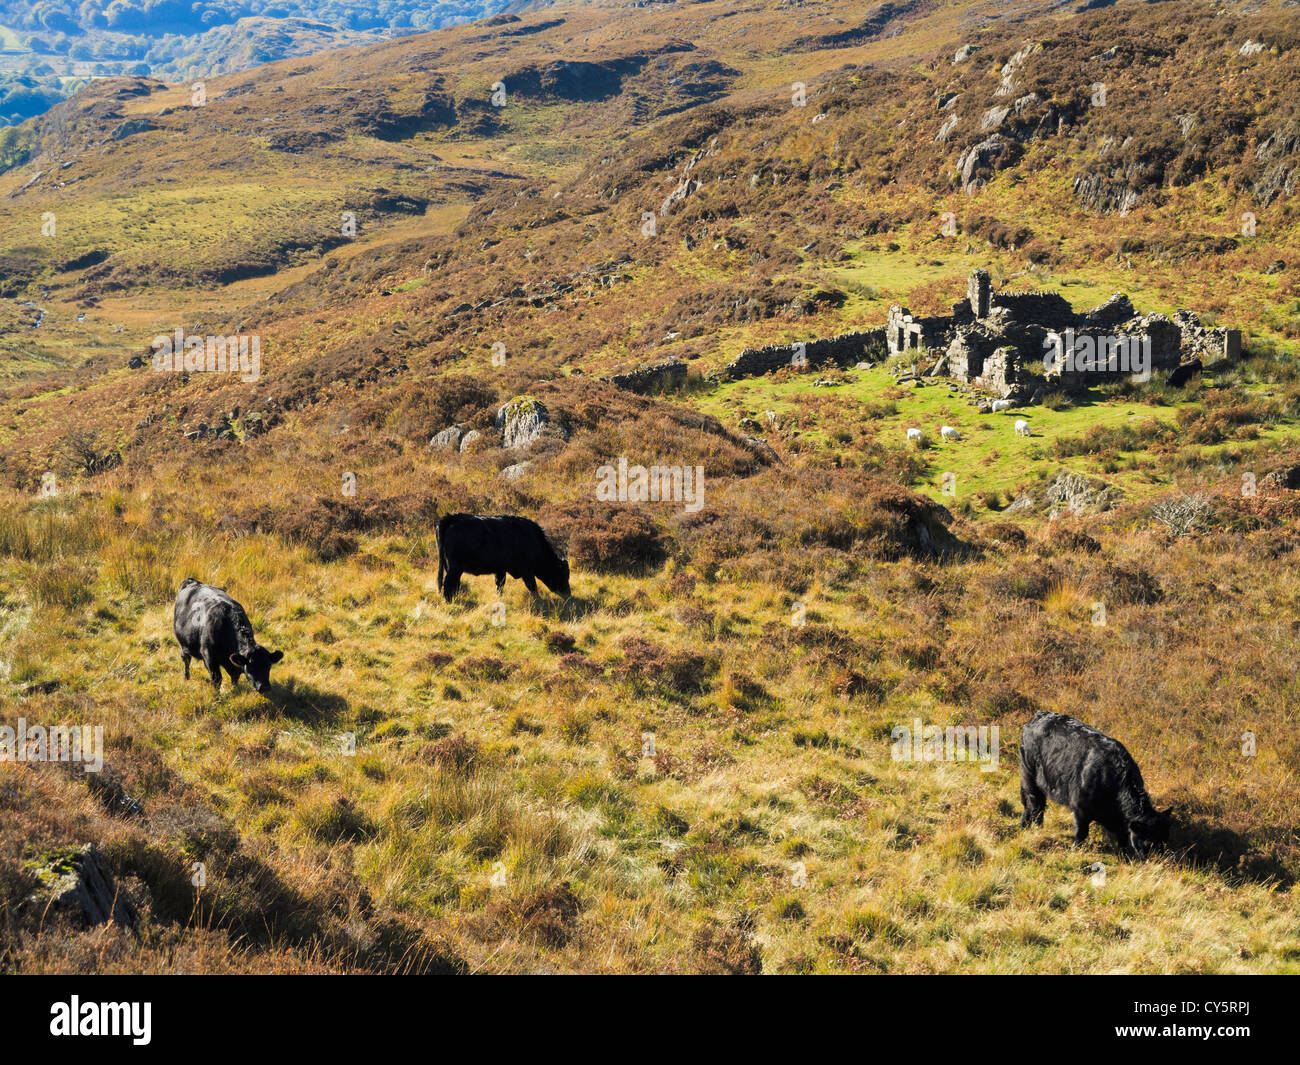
259 909
572 608
1234 857
304 702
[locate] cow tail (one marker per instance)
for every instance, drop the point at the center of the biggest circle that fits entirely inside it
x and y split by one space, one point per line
439 529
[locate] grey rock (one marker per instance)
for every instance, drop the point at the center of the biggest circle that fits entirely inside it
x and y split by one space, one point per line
522 421
994 117
979 161
447 440
1075 493
81 885
131 127
1114 311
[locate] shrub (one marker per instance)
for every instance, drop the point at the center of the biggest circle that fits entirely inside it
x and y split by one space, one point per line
337 822
726 949
1184 514
1121 583
608 538
664 668
458 754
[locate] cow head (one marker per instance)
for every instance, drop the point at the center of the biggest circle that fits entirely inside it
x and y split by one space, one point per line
1150 831
257 667
557 576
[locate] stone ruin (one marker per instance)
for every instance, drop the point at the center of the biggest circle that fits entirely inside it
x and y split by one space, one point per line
998 342
660 377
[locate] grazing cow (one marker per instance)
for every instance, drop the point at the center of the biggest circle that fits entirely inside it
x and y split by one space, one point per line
1185 373
1001 405
949 433
1064 760
914 437
501 545
1022 427
210 625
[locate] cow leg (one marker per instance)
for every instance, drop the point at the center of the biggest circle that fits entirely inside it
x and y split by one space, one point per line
234 675
185 661
213 663
1081 825
451 584
1119 835
501 583
530 582
1034 801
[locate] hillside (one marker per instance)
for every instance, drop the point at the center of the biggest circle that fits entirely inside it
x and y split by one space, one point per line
689 763
51 48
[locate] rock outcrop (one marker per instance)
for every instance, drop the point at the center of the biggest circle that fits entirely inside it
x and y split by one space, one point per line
447 440
523 420
80 885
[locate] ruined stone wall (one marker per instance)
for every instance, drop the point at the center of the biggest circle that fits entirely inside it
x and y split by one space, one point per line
905 332
1049 309
842 350
1206 343
656 378
979 291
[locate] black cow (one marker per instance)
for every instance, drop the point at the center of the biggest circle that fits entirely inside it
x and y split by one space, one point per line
1185 373
501 545
212 626
1073 764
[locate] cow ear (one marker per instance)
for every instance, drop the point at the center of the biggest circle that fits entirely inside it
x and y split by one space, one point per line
238 660
276 656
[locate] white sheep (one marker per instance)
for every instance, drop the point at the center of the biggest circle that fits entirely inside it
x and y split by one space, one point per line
1000 405
949 433
914 437
1022 427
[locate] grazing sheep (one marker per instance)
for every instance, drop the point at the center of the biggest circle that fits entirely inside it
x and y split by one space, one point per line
914 437
949 433
1022 427
1000 405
